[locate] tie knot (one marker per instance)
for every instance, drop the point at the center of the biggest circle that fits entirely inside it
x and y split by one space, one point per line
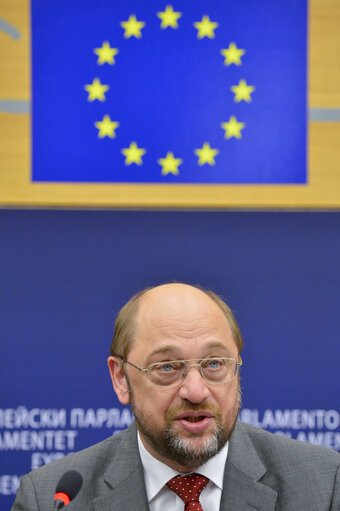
189 487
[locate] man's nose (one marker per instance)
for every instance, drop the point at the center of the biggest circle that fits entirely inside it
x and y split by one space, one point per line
194 388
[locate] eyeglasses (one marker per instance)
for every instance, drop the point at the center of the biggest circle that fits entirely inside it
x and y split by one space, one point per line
216 370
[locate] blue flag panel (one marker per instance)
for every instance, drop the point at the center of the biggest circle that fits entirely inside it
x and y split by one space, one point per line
188 92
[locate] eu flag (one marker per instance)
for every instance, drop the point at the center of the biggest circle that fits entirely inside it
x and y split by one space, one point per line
191 91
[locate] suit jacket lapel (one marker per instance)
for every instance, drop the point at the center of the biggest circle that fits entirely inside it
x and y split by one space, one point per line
127 496
242 488
125 487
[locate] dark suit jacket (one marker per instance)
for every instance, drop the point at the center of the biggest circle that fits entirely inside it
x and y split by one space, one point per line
263 472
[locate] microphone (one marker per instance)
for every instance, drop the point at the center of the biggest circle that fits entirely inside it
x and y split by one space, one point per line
67 488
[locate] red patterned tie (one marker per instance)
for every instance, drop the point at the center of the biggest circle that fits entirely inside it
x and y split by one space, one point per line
189 488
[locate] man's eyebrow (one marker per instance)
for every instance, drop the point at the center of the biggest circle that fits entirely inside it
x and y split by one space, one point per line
170 351
163 349
217 344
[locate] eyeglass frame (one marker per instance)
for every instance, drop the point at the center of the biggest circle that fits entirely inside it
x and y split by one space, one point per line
146 370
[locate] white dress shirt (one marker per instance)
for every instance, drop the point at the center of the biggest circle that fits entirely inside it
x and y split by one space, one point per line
157 474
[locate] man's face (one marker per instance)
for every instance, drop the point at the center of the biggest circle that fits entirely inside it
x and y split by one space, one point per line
185 425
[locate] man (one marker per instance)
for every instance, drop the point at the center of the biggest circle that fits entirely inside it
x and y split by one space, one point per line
175 358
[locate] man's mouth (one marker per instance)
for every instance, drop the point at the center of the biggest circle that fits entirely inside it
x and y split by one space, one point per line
194 416
194 419
195 422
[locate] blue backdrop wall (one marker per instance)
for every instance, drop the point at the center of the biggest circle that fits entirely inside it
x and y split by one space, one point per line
65 274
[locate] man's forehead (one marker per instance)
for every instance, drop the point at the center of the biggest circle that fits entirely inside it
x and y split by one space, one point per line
178 302
176 297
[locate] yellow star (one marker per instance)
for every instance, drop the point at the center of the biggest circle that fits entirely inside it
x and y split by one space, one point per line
133 154
232 55
169 17
206 154
132 27
96 90
106 127
205 28
242 91
106 53
170 164
232 128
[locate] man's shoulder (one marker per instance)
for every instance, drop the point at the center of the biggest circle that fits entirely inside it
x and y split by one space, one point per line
95 458
292 474
102 466
280 450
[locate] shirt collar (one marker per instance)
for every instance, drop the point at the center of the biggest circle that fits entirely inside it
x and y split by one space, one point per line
157 474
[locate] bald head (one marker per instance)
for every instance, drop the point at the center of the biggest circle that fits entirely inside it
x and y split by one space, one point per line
176 300
176 304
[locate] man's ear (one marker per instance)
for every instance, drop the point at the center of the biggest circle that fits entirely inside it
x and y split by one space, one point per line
118 378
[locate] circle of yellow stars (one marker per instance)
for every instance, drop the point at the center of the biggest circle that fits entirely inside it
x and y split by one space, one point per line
169 18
